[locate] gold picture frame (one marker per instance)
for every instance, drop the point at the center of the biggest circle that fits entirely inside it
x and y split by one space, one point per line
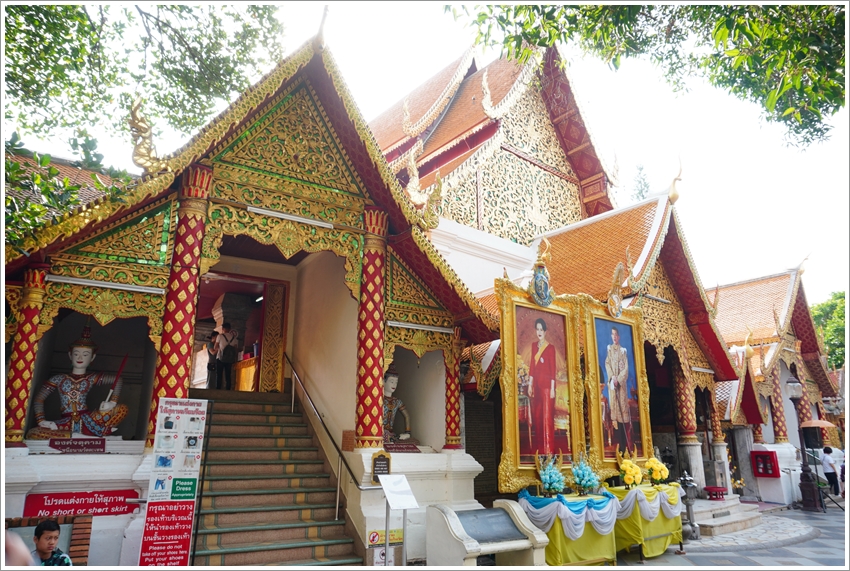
605 356
520 441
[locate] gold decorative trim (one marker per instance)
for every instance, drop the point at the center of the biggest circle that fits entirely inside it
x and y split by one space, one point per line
405 292
372 148
274 338
417 340
248 102
513 475
289 237
289 196
13 298
93 212
104 305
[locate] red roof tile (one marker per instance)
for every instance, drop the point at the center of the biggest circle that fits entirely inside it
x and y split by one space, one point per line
387 127
751 304
584 255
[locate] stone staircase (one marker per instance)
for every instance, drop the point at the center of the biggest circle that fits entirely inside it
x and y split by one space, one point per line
268 495
718 517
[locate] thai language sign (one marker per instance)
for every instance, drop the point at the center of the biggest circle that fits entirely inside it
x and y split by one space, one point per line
110 502
78 445
173 486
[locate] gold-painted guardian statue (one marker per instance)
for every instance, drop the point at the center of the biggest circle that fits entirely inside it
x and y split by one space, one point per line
73 388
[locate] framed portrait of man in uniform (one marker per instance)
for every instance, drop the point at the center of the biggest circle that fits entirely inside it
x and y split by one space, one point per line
620 418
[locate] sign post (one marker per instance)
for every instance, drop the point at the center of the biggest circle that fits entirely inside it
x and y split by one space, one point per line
173 486
399 497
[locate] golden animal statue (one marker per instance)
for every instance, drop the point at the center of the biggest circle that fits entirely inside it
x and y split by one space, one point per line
144 153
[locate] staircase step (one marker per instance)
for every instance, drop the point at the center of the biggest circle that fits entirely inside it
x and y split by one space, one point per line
225 536
704 509
324 561
260 440
255 417
262 454
265 514
262 468
259 553
267 497
241 482
253 428
249 407
729 524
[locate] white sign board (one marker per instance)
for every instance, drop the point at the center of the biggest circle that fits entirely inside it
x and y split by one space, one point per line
398 492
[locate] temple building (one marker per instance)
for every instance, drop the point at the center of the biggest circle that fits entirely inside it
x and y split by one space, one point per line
768 326
342 254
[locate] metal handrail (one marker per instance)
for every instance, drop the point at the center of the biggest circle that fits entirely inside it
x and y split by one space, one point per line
196 521
340 458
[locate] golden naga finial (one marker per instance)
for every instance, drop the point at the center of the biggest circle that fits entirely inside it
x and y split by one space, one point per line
434 200
406 125
144 153
543 255
615 294
716 301
673 194
487 101
748 350
414 192
319 40
505 273
777 322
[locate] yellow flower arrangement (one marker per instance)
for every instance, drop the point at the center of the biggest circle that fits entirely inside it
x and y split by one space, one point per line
656 470
631 473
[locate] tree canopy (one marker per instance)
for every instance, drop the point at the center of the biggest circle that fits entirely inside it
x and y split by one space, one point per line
69 69
789 59
829 318
82 66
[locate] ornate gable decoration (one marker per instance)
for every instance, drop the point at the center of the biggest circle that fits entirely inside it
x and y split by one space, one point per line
409 300
539 288
292 140
134 250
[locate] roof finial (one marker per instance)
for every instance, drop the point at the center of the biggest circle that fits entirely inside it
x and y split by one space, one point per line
673 194
319 40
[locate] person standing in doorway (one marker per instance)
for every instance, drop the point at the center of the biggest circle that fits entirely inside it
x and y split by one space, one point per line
226 356
212 356
829 470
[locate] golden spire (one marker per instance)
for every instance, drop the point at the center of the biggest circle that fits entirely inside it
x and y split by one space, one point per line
672 193
319 40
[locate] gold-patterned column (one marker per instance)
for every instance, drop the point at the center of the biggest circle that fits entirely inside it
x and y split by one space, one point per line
452 360
686 414
24 349
174 362
758 437
777 412
717 433
369 428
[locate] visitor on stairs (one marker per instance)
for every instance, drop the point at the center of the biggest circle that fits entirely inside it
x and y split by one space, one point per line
829 470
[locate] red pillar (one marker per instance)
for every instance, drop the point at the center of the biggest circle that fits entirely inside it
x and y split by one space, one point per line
758 437
369 428
452 360
717 434
174 362
22 359
777 413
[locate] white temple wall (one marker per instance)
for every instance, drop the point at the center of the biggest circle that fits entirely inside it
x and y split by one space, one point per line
325 340
422 389
479 258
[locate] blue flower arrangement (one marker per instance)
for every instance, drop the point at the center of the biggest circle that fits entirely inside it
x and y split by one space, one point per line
552 478
584 476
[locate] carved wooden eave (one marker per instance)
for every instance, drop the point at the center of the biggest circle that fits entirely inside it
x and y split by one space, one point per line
575 135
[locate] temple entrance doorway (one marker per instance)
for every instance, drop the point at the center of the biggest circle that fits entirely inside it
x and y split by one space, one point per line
249 289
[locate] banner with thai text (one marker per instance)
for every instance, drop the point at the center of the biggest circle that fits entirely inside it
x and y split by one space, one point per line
54 504
173 486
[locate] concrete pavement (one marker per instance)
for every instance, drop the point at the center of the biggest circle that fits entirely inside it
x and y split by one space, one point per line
786 537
